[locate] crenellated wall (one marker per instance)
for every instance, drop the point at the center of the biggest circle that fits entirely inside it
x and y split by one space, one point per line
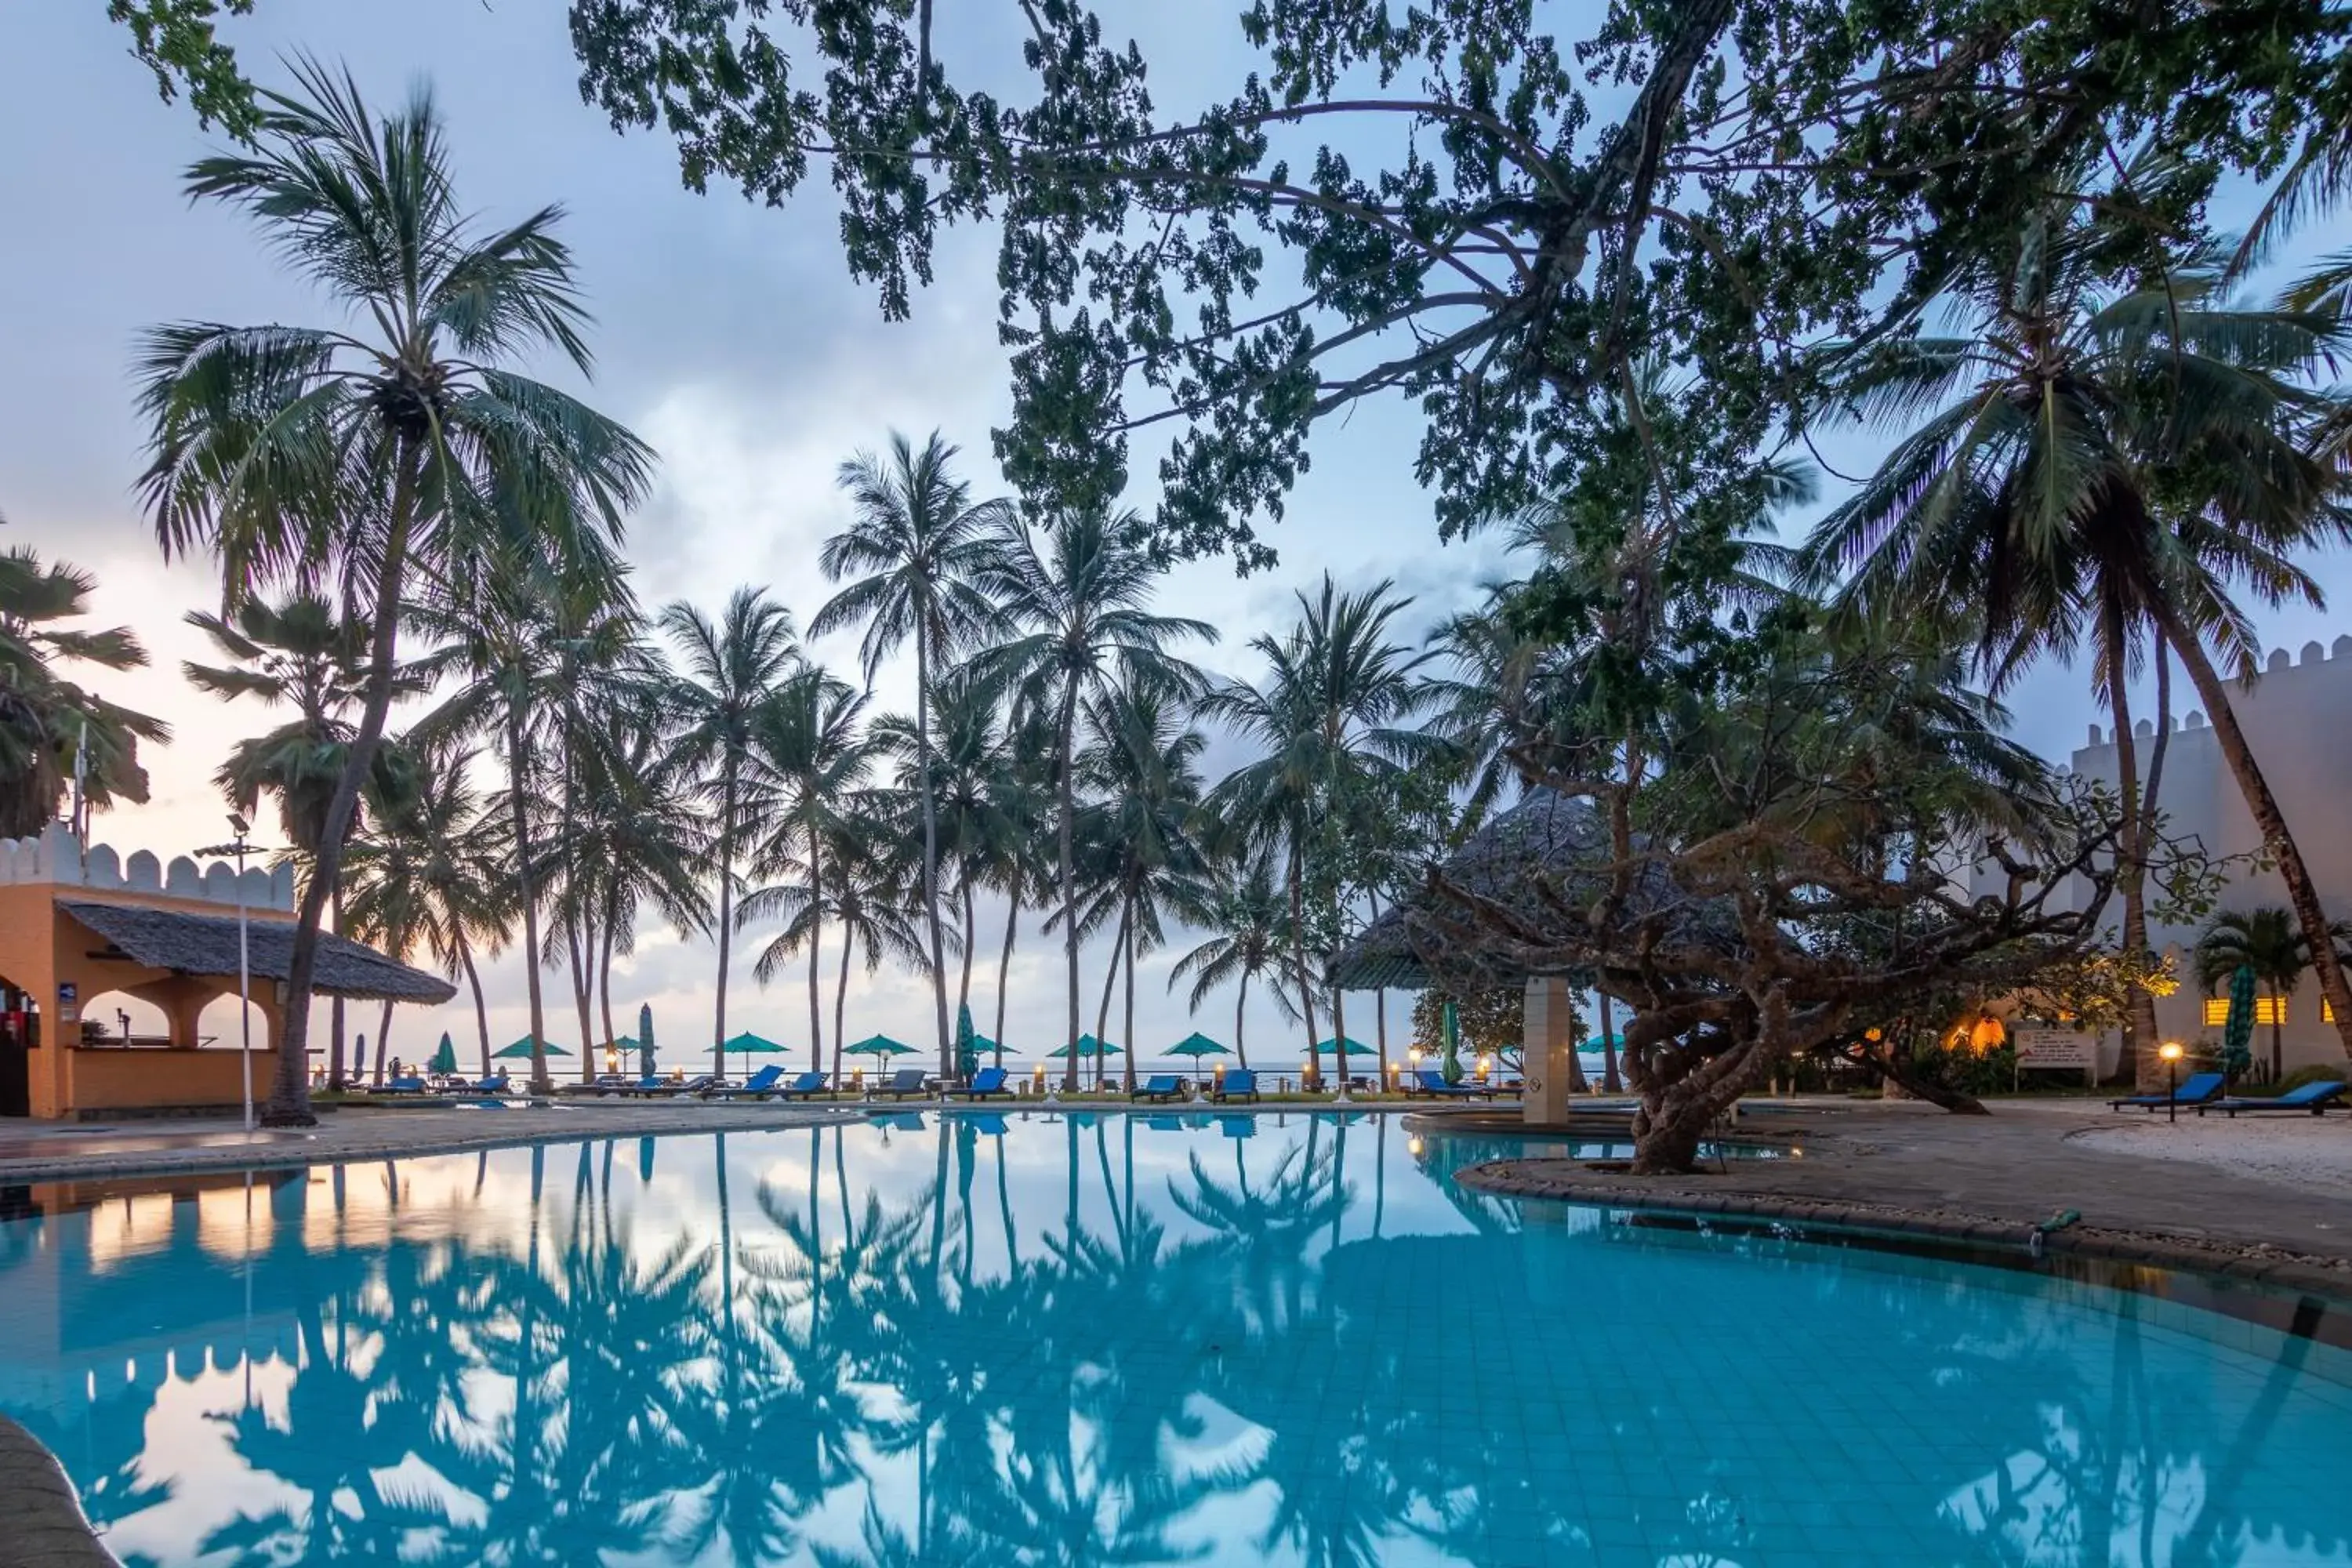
55 856
2297 719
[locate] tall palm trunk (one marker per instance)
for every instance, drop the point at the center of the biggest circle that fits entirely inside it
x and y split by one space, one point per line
816 941
604 966
1126 1027
1241 1000
1004 966
730 788
289 1092
1298 961
841 998
2131 853
579 931
1339 1036
931 843
481 1008
383 1039
1380 1013
971 939
1067 830
336 1039
2262 806
579 945
517 792
1110 976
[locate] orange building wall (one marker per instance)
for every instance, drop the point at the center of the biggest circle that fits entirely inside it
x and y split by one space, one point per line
43 948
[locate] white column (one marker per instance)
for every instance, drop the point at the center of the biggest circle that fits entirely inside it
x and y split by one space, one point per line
1549 1040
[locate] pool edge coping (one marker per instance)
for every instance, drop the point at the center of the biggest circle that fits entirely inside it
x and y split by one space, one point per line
41 1522
2259 1264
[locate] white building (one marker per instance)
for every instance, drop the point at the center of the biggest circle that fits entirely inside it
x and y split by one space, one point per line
2298 720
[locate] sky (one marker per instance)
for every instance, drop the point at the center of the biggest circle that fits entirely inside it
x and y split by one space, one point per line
728 335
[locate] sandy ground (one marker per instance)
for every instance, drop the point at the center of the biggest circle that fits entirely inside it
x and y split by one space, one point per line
2312 1154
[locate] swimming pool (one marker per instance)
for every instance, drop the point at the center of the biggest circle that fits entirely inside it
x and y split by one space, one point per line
1150 1339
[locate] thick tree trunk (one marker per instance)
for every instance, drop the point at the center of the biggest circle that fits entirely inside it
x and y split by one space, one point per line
1610 1079
383 1039
2302 896
1241 1000
1893 1064
605 970
1677 1113
1127 1025
290 1090
931 843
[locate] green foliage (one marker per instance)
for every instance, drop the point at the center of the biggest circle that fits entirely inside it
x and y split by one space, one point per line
2317 1072
51 729
1792 169
1493 1021
176 40
1963 1070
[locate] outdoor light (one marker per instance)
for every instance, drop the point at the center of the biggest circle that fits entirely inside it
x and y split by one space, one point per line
2170 1052
1413 1055
239 847
611 1057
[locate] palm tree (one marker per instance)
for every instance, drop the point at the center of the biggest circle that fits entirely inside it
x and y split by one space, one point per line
732 669
916 545
1012 864
634 840
312 455
1249 923
808 761
2267 940
53 733
967 758
2102 461
1078 607
1329 721
1144 766
869 875
299 655
442 854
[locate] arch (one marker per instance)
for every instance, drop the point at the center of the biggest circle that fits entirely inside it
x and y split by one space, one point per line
102 1019
216 1024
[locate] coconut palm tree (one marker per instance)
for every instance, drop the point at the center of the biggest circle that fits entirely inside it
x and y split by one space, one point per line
915 550
634 840
1329 720
869 879
809 760
2109 446
1014 866
1076 607
1144 768
53 733
1248 921
2267 940
443 853
300 655
733 668
315 455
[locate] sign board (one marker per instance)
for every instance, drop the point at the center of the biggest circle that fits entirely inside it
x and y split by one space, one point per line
68 995
2055 1049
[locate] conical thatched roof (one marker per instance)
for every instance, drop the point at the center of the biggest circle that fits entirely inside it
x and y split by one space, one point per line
191 943
1548 849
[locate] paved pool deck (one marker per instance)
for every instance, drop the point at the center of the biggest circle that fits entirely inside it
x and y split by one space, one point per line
2259 1198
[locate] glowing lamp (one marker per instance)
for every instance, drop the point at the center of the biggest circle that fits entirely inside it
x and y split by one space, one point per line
2171 1051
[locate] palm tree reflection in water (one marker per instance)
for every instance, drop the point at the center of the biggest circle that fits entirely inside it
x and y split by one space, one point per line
1307 1352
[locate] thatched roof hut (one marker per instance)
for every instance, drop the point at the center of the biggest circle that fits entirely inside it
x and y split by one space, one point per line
204 944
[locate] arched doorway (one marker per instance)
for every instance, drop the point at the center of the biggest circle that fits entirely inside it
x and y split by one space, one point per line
20 1036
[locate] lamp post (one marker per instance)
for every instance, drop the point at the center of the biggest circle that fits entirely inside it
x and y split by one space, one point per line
241 847
2170 1052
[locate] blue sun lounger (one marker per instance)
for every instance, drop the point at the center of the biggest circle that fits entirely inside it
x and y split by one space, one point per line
900 1084
984 1083
405 1086
805 1087
759 1086
1430 1081
1159 1086
2197 1089
1241 1083
2314 1098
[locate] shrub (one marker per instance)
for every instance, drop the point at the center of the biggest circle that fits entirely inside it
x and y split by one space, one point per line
1964 1071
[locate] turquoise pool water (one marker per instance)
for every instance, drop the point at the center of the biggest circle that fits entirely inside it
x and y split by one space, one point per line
1167 1339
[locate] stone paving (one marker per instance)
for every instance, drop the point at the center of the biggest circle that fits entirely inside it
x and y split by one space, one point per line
1911 1167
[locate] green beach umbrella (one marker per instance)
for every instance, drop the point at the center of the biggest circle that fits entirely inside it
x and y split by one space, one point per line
1088 1046
1350 1047
521 1050
878 1046
2238 1033
983 1044
751 1044
1196 1045
445 1056
645 1040
1452 1067
967 1048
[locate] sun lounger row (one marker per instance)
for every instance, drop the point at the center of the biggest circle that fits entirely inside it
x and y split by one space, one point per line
2203 1092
